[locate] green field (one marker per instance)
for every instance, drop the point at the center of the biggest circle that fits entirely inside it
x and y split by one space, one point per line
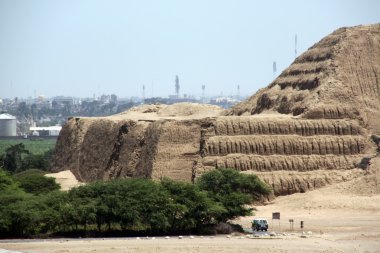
39 146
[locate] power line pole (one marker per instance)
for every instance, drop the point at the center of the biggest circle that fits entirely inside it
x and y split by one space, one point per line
203 93
177 86
295 46
152 89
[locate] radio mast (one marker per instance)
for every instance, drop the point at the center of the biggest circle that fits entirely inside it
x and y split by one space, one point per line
295 46
177 86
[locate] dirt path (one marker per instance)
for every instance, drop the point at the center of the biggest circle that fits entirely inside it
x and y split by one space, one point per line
289 243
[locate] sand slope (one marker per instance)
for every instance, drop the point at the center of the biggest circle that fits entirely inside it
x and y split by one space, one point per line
65 179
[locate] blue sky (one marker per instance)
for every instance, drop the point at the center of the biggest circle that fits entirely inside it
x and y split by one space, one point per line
81 48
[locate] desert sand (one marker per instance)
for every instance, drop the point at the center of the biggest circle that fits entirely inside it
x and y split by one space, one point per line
65 179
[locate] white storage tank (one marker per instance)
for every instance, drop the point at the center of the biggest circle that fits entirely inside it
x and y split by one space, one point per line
8 125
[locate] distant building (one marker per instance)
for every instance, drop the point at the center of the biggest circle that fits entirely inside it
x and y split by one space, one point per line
8 125
62 101
45 131
113 98
225 102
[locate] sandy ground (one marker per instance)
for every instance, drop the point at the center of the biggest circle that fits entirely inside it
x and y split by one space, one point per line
364 241
65 179
341 218
178 111
218 244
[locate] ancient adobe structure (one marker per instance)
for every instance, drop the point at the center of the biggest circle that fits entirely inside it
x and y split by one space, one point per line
310 127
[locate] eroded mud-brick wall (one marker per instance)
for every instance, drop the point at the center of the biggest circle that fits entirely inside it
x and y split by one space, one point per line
310 127
286 153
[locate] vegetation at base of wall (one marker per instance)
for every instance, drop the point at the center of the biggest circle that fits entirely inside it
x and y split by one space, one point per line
125 206
233 190
34 181
34 146
17 158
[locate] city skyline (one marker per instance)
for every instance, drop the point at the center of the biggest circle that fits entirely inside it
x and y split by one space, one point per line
81 48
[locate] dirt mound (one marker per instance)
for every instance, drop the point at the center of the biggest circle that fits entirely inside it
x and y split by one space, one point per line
311 127
338 77
351 206
175 111
65 179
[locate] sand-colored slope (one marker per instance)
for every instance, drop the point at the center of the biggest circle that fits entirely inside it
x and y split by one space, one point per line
338 77
359 197
65 179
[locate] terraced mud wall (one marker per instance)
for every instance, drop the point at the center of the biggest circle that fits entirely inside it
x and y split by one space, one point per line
291 155
107 149
338 77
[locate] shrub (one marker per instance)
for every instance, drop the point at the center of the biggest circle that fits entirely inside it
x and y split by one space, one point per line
17 158
233 190
126 205
228 228
33 181
192 208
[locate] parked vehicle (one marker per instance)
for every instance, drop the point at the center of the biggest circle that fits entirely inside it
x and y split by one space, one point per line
259 225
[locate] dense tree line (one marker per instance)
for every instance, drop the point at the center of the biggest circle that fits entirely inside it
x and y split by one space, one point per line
17 158
124 206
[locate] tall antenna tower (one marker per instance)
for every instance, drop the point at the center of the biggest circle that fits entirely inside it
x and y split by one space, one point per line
177 86
238 91
152 88
274 69
295 46
143 91
203 93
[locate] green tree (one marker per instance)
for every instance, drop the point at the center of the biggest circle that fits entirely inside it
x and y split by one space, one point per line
6 182
192 208
36 183
139 204
52 214
10 194
17 158
13 157
234 190
80 207
25 216
35 161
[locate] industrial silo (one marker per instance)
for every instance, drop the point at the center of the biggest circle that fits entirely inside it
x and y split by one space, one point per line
7 125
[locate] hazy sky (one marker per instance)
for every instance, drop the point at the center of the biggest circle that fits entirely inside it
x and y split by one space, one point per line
79 48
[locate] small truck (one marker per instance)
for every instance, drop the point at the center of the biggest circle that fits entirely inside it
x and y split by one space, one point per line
259 225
